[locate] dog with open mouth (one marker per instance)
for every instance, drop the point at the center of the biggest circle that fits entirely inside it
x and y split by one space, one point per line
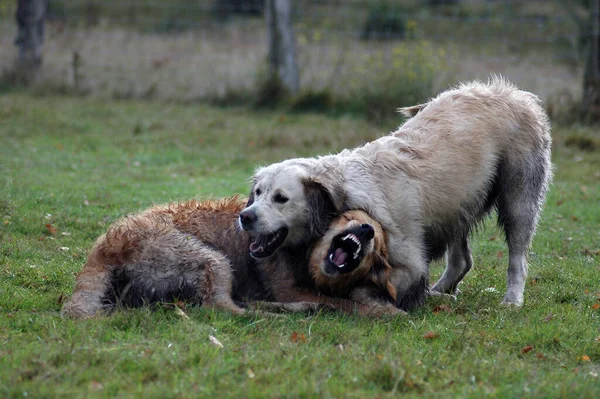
350 261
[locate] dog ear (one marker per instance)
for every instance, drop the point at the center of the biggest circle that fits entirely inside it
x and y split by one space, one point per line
321 208
380 275
330 180
251 196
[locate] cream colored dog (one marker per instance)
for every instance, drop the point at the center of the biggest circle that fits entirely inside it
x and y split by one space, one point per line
470 150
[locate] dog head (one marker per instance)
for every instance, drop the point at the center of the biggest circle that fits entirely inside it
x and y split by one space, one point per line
353 251
291 204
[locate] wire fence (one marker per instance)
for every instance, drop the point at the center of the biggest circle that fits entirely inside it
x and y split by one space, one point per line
216 49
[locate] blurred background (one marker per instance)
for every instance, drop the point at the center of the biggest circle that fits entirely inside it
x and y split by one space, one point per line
354 56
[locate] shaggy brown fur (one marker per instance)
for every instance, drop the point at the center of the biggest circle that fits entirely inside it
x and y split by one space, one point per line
192 251
189 251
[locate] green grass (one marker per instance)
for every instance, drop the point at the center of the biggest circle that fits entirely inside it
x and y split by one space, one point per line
79 164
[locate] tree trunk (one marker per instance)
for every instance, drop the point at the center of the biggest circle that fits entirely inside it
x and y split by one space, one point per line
30 37
591 80
282 49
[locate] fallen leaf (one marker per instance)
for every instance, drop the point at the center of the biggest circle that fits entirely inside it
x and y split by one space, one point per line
596 306
295 337
499 254
584 358
574 218
526 349
340 348
181 313
548 318
597 339
214 341
86 202
6 222
64 249
51 229
95 385
250 373
441 308
60 299
540 356
559 202
65 233
430 335
491 238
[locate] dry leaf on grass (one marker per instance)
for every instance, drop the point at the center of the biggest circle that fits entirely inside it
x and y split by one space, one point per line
51 229
548 318
181 313
584 358
441 308
596 306
430 335
526 349
214 341
295 337
250 373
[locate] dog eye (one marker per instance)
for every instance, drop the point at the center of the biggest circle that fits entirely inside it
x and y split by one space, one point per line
280 199
257 192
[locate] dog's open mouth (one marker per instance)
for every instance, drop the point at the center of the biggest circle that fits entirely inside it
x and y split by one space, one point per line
266 244
345 253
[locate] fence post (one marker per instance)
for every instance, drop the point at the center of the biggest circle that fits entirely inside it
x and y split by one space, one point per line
30 36
282 49
591 79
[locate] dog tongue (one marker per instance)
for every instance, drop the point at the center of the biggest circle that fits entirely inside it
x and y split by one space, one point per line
339 257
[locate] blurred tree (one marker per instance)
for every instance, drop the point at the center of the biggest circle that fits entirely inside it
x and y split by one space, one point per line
283 66
591 79
225 8
30 36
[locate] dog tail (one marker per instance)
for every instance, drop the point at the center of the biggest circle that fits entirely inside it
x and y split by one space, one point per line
411 111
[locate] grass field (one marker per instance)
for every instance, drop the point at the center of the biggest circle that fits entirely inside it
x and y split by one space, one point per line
69 167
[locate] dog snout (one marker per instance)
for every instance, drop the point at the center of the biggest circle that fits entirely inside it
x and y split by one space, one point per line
247 218
367 231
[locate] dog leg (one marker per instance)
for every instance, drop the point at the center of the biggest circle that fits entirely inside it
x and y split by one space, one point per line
288 307
519 204
410 271
458 264
372 305
216 280
90 289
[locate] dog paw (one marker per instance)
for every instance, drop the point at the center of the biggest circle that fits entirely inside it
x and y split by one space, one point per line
290 307
380 310
433 293
511 303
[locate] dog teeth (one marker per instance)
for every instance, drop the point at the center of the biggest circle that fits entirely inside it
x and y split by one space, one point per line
353 238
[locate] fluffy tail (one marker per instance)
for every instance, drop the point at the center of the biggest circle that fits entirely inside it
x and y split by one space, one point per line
411 111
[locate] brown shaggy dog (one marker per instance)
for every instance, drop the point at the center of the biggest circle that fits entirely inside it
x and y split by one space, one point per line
191 251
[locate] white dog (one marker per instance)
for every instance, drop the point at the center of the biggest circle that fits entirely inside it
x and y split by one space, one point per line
470 150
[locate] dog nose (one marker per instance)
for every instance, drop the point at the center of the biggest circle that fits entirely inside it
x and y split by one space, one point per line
247 217
367 230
